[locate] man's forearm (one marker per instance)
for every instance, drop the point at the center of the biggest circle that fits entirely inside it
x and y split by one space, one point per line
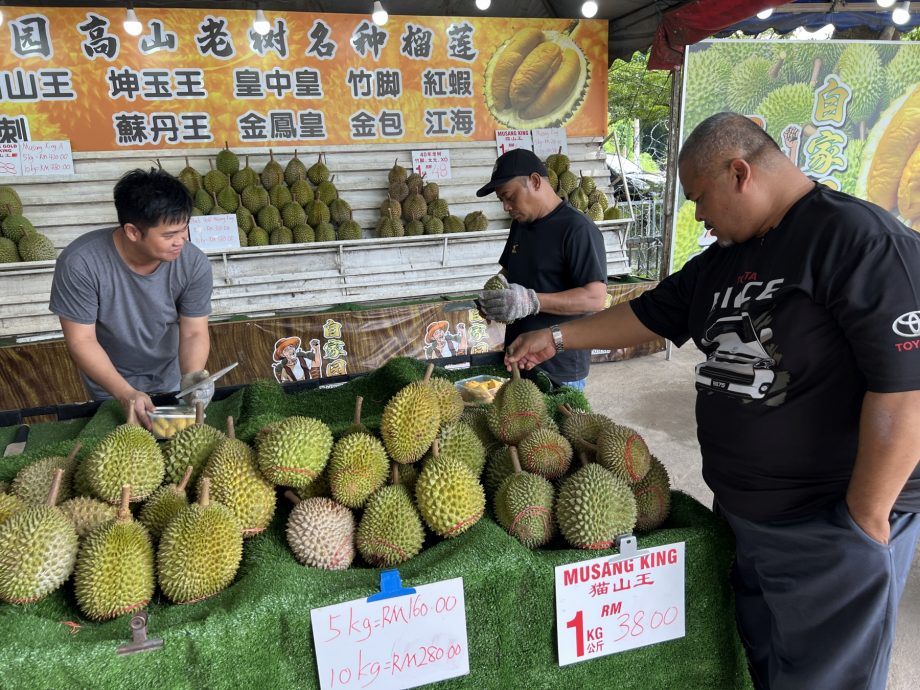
92 360
572 302
193 351
611 328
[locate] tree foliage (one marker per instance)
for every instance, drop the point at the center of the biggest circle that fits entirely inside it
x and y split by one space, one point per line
636 93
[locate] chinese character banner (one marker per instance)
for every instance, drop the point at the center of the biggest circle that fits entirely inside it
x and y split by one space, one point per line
848 114
199 78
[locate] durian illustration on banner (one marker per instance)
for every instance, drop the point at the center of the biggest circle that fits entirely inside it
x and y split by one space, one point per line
847 112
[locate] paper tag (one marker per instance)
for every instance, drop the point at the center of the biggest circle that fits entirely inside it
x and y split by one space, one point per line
507 139
608 605
46 158
549 140
10 160
433 164
394 643
214 232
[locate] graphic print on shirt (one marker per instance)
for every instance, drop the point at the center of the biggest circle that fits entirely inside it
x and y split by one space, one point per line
742 361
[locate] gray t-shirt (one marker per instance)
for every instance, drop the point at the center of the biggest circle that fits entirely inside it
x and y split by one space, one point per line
136 316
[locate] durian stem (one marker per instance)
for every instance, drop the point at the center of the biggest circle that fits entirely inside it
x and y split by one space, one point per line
73 451
564 409
435 449
55 487
124 511
226 145
186 162
774 70
515 460
394 474
583 459
231 429
199 413
185 477
429 370
359 401
210 164
204 493
515 372
271 156
132 414
292 497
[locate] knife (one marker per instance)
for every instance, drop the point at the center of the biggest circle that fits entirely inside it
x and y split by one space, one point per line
212 377
19 441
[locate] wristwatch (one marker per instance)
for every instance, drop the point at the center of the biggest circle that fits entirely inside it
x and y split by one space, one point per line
557 337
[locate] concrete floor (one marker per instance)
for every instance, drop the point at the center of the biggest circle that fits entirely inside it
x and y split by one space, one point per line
656 396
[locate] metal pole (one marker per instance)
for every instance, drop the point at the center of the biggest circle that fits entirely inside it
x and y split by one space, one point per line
671 181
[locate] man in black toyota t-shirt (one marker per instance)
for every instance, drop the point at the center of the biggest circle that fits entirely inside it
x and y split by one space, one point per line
553 262
808 403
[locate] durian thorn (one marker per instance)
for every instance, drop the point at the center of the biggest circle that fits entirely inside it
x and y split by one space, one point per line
199 413
124 511
73 451
515 372
180 487
531 511
394 474
231 428
55 487
204 492
515 460
429 370
359 401
292 497
570 29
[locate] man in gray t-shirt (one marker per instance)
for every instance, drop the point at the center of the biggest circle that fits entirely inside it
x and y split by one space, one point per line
134 300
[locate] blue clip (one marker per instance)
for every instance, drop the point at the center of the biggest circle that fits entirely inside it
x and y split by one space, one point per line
391 586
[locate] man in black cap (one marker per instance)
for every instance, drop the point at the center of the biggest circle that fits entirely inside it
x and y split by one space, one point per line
553 265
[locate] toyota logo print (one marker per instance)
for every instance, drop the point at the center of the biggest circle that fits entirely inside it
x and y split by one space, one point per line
907 325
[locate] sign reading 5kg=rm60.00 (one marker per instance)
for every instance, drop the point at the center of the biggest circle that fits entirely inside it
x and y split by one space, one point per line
608 605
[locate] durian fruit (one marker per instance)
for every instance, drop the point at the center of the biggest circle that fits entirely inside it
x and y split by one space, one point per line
349 230
598 197
295 451
318 487
227 161
414 207
235 483
86 514
390 226
258 237
524 506
38 549
457 440
517 409
594 507
439 209
430 192
414 228
398 191
339 210
200 550
397 173
903 71
164 505
586 184
553 179
36 247
415 182
358 467
478 420
449 497
203 201
244 219
321 533
326 191
595 212
9 504
860 67
254 197
558 162
579 199
228 199
748 83
114 572
390 531
411 420
216 208
190 178
391 208
9 253
292 215
302 192
789 104
318 172
498 467
325 232
432 225
10 203
269 218
545 452
295 171
16 226
623 451
450 402
708 72
475 221
244 178
243 237
127 455
317 212
272 174
303 233
582 429
653 497
214 180
281 235
568 182
280 195
453 224
33 481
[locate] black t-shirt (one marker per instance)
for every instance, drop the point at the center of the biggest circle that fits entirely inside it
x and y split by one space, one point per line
561 251
797 327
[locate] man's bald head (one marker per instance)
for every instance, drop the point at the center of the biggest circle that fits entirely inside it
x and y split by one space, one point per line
724 137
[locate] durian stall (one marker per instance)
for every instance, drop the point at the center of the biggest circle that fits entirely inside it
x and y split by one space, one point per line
249 515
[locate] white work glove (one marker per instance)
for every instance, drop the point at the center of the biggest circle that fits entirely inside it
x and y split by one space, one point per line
513 303
202 394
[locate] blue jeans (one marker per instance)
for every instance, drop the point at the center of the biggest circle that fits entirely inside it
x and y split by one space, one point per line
577 385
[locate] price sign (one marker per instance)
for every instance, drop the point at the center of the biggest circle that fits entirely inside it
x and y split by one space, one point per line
46 158
433 164
10 160
393 643
507 139
608 605
214 232
549 140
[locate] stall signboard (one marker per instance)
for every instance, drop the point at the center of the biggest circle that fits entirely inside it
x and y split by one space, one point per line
432 164
612 604
392 643
510 139
199 78
847 113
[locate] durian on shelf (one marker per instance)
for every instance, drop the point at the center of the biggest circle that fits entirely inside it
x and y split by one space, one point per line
414 207
19 240
579 190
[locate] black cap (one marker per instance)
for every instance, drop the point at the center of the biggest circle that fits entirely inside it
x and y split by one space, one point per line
514 163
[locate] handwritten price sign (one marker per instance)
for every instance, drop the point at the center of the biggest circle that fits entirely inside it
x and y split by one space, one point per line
433 164
549 140
395 643
210 233
507 139
46 158
608 605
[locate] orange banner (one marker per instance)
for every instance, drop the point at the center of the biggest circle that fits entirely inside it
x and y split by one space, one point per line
198 78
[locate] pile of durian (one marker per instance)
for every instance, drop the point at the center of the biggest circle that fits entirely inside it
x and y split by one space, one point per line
280 205
414 207
580 191
18 239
